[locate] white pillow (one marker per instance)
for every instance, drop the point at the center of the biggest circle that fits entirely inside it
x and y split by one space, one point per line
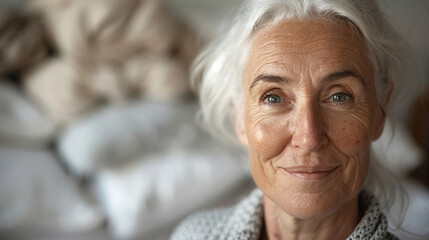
36 193
20 122
160 189
152 164
120 133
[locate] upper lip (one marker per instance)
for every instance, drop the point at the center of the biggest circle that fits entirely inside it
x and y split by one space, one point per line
309 169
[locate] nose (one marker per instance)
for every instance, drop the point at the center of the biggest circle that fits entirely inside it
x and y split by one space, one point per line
308 129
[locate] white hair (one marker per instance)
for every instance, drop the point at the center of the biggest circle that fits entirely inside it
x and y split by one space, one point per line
217 73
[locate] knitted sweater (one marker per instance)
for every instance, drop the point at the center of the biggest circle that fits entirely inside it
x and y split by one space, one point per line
245 222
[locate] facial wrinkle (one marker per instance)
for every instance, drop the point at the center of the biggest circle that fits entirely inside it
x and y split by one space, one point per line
299 123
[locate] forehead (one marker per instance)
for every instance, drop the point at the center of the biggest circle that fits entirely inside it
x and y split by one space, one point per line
314 46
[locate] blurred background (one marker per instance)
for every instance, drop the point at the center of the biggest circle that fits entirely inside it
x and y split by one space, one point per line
98 130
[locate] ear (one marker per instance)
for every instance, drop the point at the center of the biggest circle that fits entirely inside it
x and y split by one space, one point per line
382 115
240 128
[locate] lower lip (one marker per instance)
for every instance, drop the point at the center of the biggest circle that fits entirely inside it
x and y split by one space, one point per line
310 176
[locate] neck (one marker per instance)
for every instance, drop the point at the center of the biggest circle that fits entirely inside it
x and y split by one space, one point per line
281 226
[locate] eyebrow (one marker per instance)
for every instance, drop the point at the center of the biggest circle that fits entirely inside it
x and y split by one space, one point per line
343 74
331 77
268 78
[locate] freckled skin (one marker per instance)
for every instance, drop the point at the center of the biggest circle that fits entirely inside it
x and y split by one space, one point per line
307 128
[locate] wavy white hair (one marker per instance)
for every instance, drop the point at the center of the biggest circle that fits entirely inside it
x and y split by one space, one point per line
217 73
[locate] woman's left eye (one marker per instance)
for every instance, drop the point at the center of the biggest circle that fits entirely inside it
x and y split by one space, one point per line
340 97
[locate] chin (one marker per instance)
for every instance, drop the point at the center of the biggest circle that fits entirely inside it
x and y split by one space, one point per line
311 206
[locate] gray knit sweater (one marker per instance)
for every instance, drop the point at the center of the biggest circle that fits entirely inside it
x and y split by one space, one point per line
245 222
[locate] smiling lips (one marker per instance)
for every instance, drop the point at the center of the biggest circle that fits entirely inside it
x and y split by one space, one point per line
310 173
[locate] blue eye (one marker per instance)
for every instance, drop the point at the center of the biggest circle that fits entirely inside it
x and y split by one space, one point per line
340 97
274 99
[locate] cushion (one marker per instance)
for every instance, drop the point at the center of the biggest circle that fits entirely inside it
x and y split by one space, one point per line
21 123
36 193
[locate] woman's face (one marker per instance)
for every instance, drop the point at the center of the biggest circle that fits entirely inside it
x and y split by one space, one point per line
310 114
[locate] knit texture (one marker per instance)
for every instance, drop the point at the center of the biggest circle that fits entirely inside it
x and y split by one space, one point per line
245 222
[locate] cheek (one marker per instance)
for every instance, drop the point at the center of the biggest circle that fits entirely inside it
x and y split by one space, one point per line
267 135
349 133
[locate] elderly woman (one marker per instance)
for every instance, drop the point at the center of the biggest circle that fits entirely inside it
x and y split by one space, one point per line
304 85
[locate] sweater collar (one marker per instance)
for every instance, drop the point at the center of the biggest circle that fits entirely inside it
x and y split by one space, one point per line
248 218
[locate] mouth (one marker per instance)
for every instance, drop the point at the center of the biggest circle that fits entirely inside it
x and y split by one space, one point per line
310 173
